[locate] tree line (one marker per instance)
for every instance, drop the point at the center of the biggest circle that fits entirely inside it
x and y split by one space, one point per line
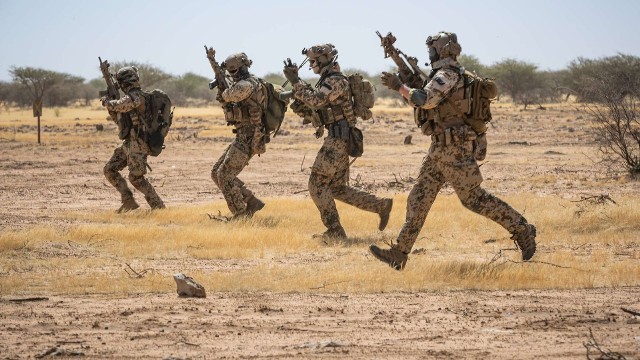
608 88
520 81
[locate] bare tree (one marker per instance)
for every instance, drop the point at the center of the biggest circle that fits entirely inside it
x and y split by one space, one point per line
617 128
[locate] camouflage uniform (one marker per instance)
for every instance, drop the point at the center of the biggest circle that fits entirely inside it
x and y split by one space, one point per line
330 172
244 106
132 153
451 159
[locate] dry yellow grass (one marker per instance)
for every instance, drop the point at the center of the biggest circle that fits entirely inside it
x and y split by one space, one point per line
580 244
275 251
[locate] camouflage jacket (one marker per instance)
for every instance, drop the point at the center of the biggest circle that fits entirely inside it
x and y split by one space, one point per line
249 94
133 103
332 97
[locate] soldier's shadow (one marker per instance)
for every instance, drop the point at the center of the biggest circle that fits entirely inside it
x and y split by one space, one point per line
359 240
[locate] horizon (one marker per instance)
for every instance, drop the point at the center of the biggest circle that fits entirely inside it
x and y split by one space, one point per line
547 34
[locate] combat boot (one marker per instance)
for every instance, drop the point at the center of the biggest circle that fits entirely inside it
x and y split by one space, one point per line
393 256
334 233
384 215
253 205
128 205
525 239
155 202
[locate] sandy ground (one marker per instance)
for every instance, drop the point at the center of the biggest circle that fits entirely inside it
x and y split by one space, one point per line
467 324
541 152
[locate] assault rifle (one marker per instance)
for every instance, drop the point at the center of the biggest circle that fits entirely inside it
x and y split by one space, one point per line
113 93
220 79
408 69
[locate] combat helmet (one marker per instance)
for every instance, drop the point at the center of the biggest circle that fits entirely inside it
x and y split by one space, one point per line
128 77
237 65
321 56
443 45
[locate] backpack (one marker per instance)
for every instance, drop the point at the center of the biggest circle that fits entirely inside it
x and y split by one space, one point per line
480 92
362 92
159 116
274 108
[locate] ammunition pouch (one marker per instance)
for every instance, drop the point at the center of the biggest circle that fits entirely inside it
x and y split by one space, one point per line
124 126
339 130
355 140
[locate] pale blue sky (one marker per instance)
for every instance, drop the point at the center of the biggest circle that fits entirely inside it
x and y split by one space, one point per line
69 35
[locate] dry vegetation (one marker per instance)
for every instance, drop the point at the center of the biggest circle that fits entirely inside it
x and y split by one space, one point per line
268 279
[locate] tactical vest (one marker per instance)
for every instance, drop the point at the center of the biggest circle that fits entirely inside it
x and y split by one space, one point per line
137 115
249 110
341 108
449 112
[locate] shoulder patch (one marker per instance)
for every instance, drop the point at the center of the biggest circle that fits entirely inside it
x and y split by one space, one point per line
325 89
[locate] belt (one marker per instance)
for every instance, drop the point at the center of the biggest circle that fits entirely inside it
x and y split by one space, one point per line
453 135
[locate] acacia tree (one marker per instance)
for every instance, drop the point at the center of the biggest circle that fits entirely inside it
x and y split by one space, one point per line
519 79
37 81
473 64
149 74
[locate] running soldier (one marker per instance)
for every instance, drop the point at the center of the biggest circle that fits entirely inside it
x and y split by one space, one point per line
331 108
243 103
134 151
452 158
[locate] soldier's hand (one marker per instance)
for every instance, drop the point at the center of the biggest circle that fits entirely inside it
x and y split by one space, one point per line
480 147
104 100
219 97
392 81
291 72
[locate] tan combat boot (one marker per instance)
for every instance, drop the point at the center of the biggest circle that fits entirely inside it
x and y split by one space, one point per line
155 202
393 256
128 205
525 239
253 205
334 233
384 215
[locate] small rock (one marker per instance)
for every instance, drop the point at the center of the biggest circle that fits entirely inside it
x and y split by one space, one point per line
187 287
407 139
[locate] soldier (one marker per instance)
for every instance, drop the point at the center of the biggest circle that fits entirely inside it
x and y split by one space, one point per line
133 152
330 172
246 98
452 157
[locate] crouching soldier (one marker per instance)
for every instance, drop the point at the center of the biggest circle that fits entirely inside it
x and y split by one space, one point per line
243 102
131 112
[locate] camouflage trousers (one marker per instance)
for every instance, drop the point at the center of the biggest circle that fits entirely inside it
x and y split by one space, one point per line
328 181
454 164
225 171
131 154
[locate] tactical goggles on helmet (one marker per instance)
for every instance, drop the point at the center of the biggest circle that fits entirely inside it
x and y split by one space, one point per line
432 39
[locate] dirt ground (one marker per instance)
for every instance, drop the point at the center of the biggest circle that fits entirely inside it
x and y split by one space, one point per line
540 324
546 152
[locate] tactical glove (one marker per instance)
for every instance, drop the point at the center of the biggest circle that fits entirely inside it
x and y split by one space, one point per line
291 73
392 81
480 147
104 100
